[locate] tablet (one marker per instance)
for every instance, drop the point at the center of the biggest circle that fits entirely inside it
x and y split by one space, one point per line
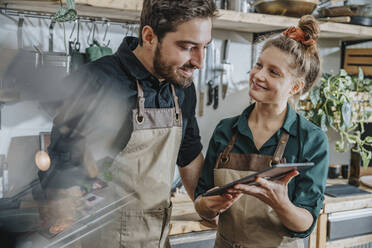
277 171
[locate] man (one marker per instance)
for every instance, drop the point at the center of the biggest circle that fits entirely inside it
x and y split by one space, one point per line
138 107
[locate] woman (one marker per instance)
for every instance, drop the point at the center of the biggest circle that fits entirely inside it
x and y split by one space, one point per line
273 213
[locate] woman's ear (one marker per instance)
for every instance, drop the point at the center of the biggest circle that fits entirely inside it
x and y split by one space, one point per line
297 87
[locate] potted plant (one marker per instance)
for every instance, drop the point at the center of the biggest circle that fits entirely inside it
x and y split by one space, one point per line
343 103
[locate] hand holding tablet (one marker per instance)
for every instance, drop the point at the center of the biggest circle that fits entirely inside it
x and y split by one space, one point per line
275 172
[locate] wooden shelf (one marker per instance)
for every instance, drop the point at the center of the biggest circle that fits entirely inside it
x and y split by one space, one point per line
228 20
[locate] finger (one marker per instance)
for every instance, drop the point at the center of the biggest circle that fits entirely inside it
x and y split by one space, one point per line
287 178
213 188
266 184
233 191
250 190
236 196
228 196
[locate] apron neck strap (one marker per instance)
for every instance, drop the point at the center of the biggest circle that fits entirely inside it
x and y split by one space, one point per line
278 154
175 99
140 101
279 151
229 147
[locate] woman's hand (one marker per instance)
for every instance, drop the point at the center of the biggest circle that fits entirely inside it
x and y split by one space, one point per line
273 193
209 207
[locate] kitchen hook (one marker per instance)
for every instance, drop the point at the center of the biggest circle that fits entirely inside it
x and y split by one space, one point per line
107 23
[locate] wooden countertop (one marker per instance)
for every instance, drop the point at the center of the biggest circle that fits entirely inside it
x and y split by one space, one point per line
333 204
185 219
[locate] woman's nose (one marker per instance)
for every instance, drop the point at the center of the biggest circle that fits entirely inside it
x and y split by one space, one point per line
260 74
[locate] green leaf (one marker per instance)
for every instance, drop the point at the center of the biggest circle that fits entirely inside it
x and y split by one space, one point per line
343 73
360 75
366 157
368 139
346 113
313 95
323 123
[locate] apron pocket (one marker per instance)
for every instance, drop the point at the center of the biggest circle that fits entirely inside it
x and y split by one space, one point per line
143 228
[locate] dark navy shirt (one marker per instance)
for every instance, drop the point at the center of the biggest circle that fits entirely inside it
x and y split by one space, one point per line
97 112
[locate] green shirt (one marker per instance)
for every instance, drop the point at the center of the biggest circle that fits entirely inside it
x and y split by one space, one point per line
307 143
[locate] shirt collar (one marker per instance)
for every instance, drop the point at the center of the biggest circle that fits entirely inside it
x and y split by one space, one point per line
130 62
289 124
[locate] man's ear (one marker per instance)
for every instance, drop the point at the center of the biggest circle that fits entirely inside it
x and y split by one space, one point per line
297 87
149 37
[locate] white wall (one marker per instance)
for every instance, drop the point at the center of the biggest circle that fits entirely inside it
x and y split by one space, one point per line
27 118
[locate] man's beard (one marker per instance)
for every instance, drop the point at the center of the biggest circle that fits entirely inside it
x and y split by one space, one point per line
169 73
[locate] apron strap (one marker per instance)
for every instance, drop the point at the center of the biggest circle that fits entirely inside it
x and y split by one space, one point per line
224 158
176 105
140 103
279 151
278 154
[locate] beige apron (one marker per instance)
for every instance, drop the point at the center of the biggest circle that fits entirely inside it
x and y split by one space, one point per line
146 167
249 222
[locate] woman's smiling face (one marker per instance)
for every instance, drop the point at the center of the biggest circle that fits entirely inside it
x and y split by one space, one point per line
272 77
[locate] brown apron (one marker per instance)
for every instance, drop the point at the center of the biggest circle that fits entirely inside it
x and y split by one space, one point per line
146 167
249 222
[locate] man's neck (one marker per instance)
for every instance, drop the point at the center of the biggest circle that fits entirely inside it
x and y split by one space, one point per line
144 58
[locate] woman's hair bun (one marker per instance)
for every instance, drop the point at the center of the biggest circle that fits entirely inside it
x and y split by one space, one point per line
310 26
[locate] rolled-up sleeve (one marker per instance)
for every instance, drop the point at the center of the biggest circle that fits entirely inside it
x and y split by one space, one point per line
310 184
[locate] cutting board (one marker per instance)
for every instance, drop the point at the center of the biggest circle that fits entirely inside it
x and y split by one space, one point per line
366 180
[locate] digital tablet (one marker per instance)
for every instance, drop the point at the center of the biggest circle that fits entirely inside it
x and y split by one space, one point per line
277 171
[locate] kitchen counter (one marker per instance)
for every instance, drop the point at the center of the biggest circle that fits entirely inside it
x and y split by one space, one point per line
187 226
336 205
187 229
84 229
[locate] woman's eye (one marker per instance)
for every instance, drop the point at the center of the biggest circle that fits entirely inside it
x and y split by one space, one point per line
275 72
258 65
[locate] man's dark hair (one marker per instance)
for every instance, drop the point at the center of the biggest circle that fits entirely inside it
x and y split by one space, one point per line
165 15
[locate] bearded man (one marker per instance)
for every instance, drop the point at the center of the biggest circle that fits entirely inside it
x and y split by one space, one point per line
138 108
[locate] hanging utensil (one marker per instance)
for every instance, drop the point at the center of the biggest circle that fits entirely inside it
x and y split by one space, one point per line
77 58
216 86
19 31
209 72
201 79
95 50
226 68
55 59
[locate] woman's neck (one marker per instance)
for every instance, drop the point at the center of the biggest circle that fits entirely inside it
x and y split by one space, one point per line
268 116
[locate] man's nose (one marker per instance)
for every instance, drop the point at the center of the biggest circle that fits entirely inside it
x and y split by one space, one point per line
197 58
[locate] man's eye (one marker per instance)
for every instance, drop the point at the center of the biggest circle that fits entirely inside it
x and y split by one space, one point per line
186 48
